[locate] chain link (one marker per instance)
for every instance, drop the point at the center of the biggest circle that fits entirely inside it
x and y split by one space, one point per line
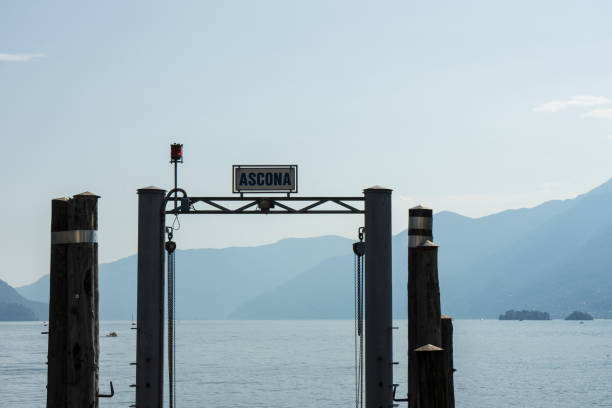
358 275
171 329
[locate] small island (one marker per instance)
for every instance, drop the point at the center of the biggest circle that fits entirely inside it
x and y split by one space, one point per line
578 315
524 315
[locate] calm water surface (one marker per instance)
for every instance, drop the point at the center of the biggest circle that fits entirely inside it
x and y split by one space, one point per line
310 364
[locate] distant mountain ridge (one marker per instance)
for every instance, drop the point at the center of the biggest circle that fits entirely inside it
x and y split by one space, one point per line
14 312
553 257
15 307
558 262
527 258
210 283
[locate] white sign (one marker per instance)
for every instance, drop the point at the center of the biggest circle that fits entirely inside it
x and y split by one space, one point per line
271 179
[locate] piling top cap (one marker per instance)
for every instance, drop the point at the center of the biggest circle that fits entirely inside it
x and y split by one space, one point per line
150 189
428 243
60 199
420 207
444 317
87 194
377 188
428 347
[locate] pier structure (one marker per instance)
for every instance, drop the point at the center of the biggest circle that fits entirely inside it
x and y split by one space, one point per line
74 318
374 205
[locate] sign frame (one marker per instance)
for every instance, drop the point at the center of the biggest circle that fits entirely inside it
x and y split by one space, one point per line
235 167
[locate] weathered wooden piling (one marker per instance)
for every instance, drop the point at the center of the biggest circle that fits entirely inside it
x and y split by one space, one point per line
58 305
431 390
446 325
430 335
424 305
426 313
73 304
423 290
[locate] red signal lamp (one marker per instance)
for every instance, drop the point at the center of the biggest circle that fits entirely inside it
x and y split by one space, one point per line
176 153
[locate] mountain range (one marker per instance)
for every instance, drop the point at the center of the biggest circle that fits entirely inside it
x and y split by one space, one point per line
554 257
210 283
15 307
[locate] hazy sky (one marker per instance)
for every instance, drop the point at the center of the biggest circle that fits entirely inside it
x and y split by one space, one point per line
471 106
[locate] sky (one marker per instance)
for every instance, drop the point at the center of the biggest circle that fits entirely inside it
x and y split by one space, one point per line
472 107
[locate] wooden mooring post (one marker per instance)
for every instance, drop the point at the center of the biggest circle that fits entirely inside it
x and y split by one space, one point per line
72 374
425 327
431 390
446 325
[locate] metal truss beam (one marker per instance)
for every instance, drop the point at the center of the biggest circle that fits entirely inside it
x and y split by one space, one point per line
267 205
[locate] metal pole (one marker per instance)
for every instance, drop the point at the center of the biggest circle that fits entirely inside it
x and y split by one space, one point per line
150 309
378 305
175 184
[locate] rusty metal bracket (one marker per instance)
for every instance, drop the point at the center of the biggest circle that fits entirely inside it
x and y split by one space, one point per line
108 395
398 399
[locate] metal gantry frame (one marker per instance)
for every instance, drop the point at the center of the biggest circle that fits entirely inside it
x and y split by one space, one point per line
152 212
266 205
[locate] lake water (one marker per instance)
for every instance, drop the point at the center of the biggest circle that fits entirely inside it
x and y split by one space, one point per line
310 364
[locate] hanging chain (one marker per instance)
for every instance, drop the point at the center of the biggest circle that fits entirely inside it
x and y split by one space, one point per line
359 250
170 247
357 365
360 274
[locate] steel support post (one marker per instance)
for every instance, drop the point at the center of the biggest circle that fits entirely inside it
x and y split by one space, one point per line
150 308
378 306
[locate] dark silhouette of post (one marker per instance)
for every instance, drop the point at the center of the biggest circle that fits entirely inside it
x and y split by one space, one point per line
424 318
83 319
431 387
73 308
378 305
58 307
423 291
150 302
446 324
